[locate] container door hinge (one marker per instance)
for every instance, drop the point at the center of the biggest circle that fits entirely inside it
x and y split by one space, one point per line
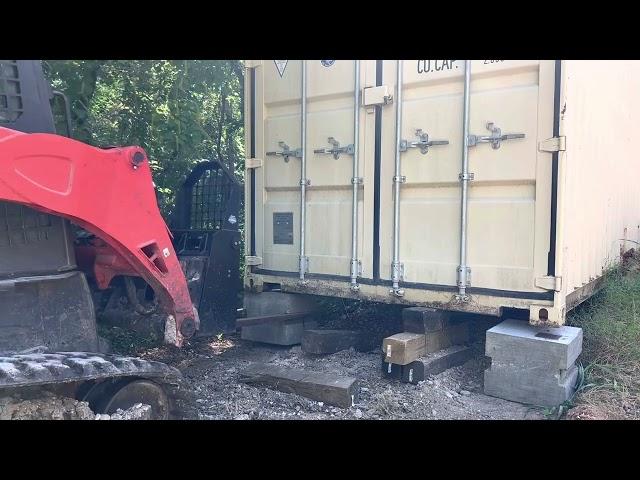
252 163
252 260
464 276
549 283
553 144
397 271
303 264
380 95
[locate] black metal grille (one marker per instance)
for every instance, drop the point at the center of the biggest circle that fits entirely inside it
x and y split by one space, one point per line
209 197
11 106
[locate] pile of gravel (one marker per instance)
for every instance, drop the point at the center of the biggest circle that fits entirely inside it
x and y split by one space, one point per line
52 407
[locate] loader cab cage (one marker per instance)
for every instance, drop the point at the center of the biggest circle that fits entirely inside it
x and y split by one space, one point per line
25 97
207 240
11 107
208 198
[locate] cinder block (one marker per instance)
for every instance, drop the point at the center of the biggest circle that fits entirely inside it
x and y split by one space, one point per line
281 333
518 343
519 385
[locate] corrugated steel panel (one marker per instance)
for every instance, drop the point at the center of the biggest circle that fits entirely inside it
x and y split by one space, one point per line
511 215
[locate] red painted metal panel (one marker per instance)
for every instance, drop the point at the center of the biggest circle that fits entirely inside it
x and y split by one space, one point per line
108 192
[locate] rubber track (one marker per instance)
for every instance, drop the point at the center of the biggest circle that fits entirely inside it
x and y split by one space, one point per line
48 368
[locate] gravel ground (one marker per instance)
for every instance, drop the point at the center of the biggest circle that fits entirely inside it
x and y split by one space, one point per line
54 407
212 391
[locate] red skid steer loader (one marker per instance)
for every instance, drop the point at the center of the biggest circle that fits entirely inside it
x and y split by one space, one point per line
74 220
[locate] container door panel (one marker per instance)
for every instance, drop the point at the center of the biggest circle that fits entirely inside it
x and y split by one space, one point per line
330 103
505 216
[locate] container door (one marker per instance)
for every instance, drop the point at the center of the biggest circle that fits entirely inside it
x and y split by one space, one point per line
330 118
509 197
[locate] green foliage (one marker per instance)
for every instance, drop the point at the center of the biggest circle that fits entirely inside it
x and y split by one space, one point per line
611 321
611 347
179 111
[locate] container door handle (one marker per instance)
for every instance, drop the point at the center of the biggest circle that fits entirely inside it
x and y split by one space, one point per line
423 142
336 149
286 152
494 139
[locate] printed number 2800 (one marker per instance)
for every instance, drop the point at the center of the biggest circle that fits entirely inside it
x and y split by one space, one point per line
488 62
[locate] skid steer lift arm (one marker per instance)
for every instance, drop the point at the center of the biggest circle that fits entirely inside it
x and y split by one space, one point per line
109 193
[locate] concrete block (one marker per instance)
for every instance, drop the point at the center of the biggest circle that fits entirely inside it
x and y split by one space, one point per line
280 333
532 365
278 303
518 343
519 385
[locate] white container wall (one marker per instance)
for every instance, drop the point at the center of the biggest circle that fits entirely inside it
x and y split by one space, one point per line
550 184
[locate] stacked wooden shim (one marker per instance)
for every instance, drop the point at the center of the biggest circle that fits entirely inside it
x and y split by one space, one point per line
431 343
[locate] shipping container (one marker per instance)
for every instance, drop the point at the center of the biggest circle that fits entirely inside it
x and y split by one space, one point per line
463 185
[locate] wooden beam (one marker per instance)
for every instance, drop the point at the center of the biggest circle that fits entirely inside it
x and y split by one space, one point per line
455 334
391 370
327 388
319 342
424 320
435 363
404 348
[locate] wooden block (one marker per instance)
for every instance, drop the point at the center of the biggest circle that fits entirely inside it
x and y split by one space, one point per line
458 333
391 370
330 389
320 342
452 335
403 348
435 363
423 320
436 341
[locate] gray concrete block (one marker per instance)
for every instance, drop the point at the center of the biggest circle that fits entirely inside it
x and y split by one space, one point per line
278 303
281 333
530 387
518 343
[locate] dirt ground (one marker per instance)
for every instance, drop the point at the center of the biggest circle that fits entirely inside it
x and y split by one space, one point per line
48 406
212 391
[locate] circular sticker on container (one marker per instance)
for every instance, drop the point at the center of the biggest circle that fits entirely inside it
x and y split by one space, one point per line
327 63
232 219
